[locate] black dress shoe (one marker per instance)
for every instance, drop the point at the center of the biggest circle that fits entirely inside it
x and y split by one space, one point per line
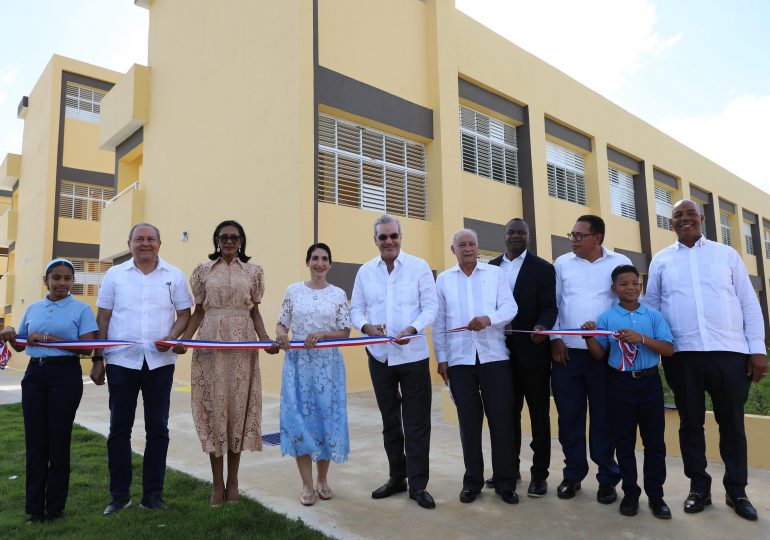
742 507
468 495
567 489
537 488
391 487
53 516
629 506
34 518
660 509
423 498
116 505
490 482
606 494
508 495
696 502
153 502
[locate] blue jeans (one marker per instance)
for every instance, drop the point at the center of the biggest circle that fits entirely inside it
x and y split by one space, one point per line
578 387
124 385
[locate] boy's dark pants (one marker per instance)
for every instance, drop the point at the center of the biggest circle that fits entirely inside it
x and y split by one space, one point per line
638 402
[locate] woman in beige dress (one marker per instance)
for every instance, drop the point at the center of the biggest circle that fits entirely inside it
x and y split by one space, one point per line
226 386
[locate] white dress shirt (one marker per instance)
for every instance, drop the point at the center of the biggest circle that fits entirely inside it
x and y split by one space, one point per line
583 291
143 309
705 294
405 297
460 299
512 268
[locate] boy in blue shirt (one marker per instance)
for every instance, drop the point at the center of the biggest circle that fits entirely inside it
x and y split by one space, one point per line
635 392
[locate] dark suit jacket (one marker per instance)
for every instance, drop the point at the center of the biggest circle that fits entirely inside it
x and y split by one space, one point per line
535 294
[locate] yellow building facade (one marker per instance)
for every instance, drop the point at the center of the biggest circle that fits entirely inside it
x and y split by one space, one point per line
305 121
57 187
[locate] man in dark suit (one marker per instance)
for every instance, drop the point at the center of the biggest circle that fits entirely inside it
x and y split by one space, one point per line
533 281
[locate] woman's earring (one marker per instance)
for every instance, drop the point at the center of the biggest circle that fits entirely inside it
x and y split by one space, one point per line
218 248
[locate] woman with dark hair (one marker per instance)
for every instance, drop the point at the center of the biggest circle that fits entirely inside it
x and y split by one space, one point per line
226 385
51 388
314 418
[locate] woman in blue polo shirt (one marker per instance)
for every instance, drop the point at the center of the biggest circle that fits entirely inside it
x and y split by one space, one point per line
51 388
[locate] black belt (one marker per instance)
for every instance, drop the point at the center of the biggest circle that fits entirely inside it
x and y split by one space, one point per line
55 360
639 373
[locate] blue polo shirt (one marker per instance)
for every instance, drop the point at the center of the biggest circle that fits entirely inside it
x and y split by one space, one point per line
67 319
644 320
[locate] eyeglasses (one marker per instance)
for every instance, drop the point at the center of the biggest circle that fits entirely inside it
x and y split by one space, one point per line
392 236
578 236
224 238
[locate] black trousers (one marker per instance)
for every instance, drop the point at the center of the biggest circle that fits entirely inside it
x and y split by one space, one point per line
632 403
403 395
50 395
124 385
582 380
533 384
723 376
478 390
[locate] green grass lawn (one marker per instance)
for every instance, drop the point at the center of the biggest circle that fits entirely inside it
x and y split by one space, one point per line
758 402
189 515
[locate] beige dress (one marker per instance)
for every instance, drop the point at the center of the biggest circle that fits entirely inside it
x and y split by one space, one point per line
226 385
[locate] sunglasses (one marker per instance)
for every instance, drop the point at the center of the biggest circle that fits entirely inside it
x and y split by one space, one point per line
224 238
392 236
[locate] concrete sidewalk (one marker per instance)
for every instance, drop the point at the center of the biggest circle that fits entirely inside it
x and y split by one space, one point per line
274 481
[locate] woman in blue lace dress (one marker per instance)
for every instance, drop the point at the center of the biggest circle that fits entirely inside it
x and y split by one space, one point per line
314 420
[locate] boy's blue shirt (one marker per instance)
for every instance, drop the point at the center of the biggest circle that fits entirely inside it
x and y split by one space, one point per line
646 321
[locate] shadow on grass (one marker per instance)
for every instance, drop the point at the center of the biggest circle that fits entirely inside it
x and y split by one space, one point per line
189 515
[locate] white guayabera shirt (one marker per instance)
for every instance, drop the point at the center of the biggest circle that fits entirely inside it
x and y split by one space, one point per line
143 309
405 297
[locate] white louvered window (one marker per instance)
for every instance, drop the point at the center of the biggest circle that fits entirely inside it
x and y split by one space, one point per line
767 243
702 210
83 103
488 147
366 168
89 275
749 238
664 203
622 193
724 223
566 173
83 201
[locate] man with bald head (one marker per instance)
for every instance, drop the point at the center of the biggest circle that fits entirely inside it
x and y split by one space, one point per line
703 290
475 364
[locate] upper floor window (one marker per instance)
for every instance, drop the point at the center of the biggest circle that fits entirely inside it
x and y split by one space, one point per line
488 147
724 223
748 236
89 275
622 193
702 209
566 173
664 203
83 201
767 243
83 103
365 168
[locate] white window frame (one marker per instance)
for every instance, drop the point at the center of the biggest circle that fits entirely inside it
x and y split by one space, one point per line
724 225
767 242
89 274
83 103
664 204
488 147
748 236
566 173
622 200
365 168
73 196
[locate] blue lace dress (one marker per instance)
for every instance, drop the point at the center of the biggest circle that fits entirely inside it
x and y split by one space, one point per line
314 418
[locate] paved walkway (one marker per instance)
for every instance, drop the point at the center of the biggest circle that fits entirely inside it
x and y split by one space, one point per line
273 480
